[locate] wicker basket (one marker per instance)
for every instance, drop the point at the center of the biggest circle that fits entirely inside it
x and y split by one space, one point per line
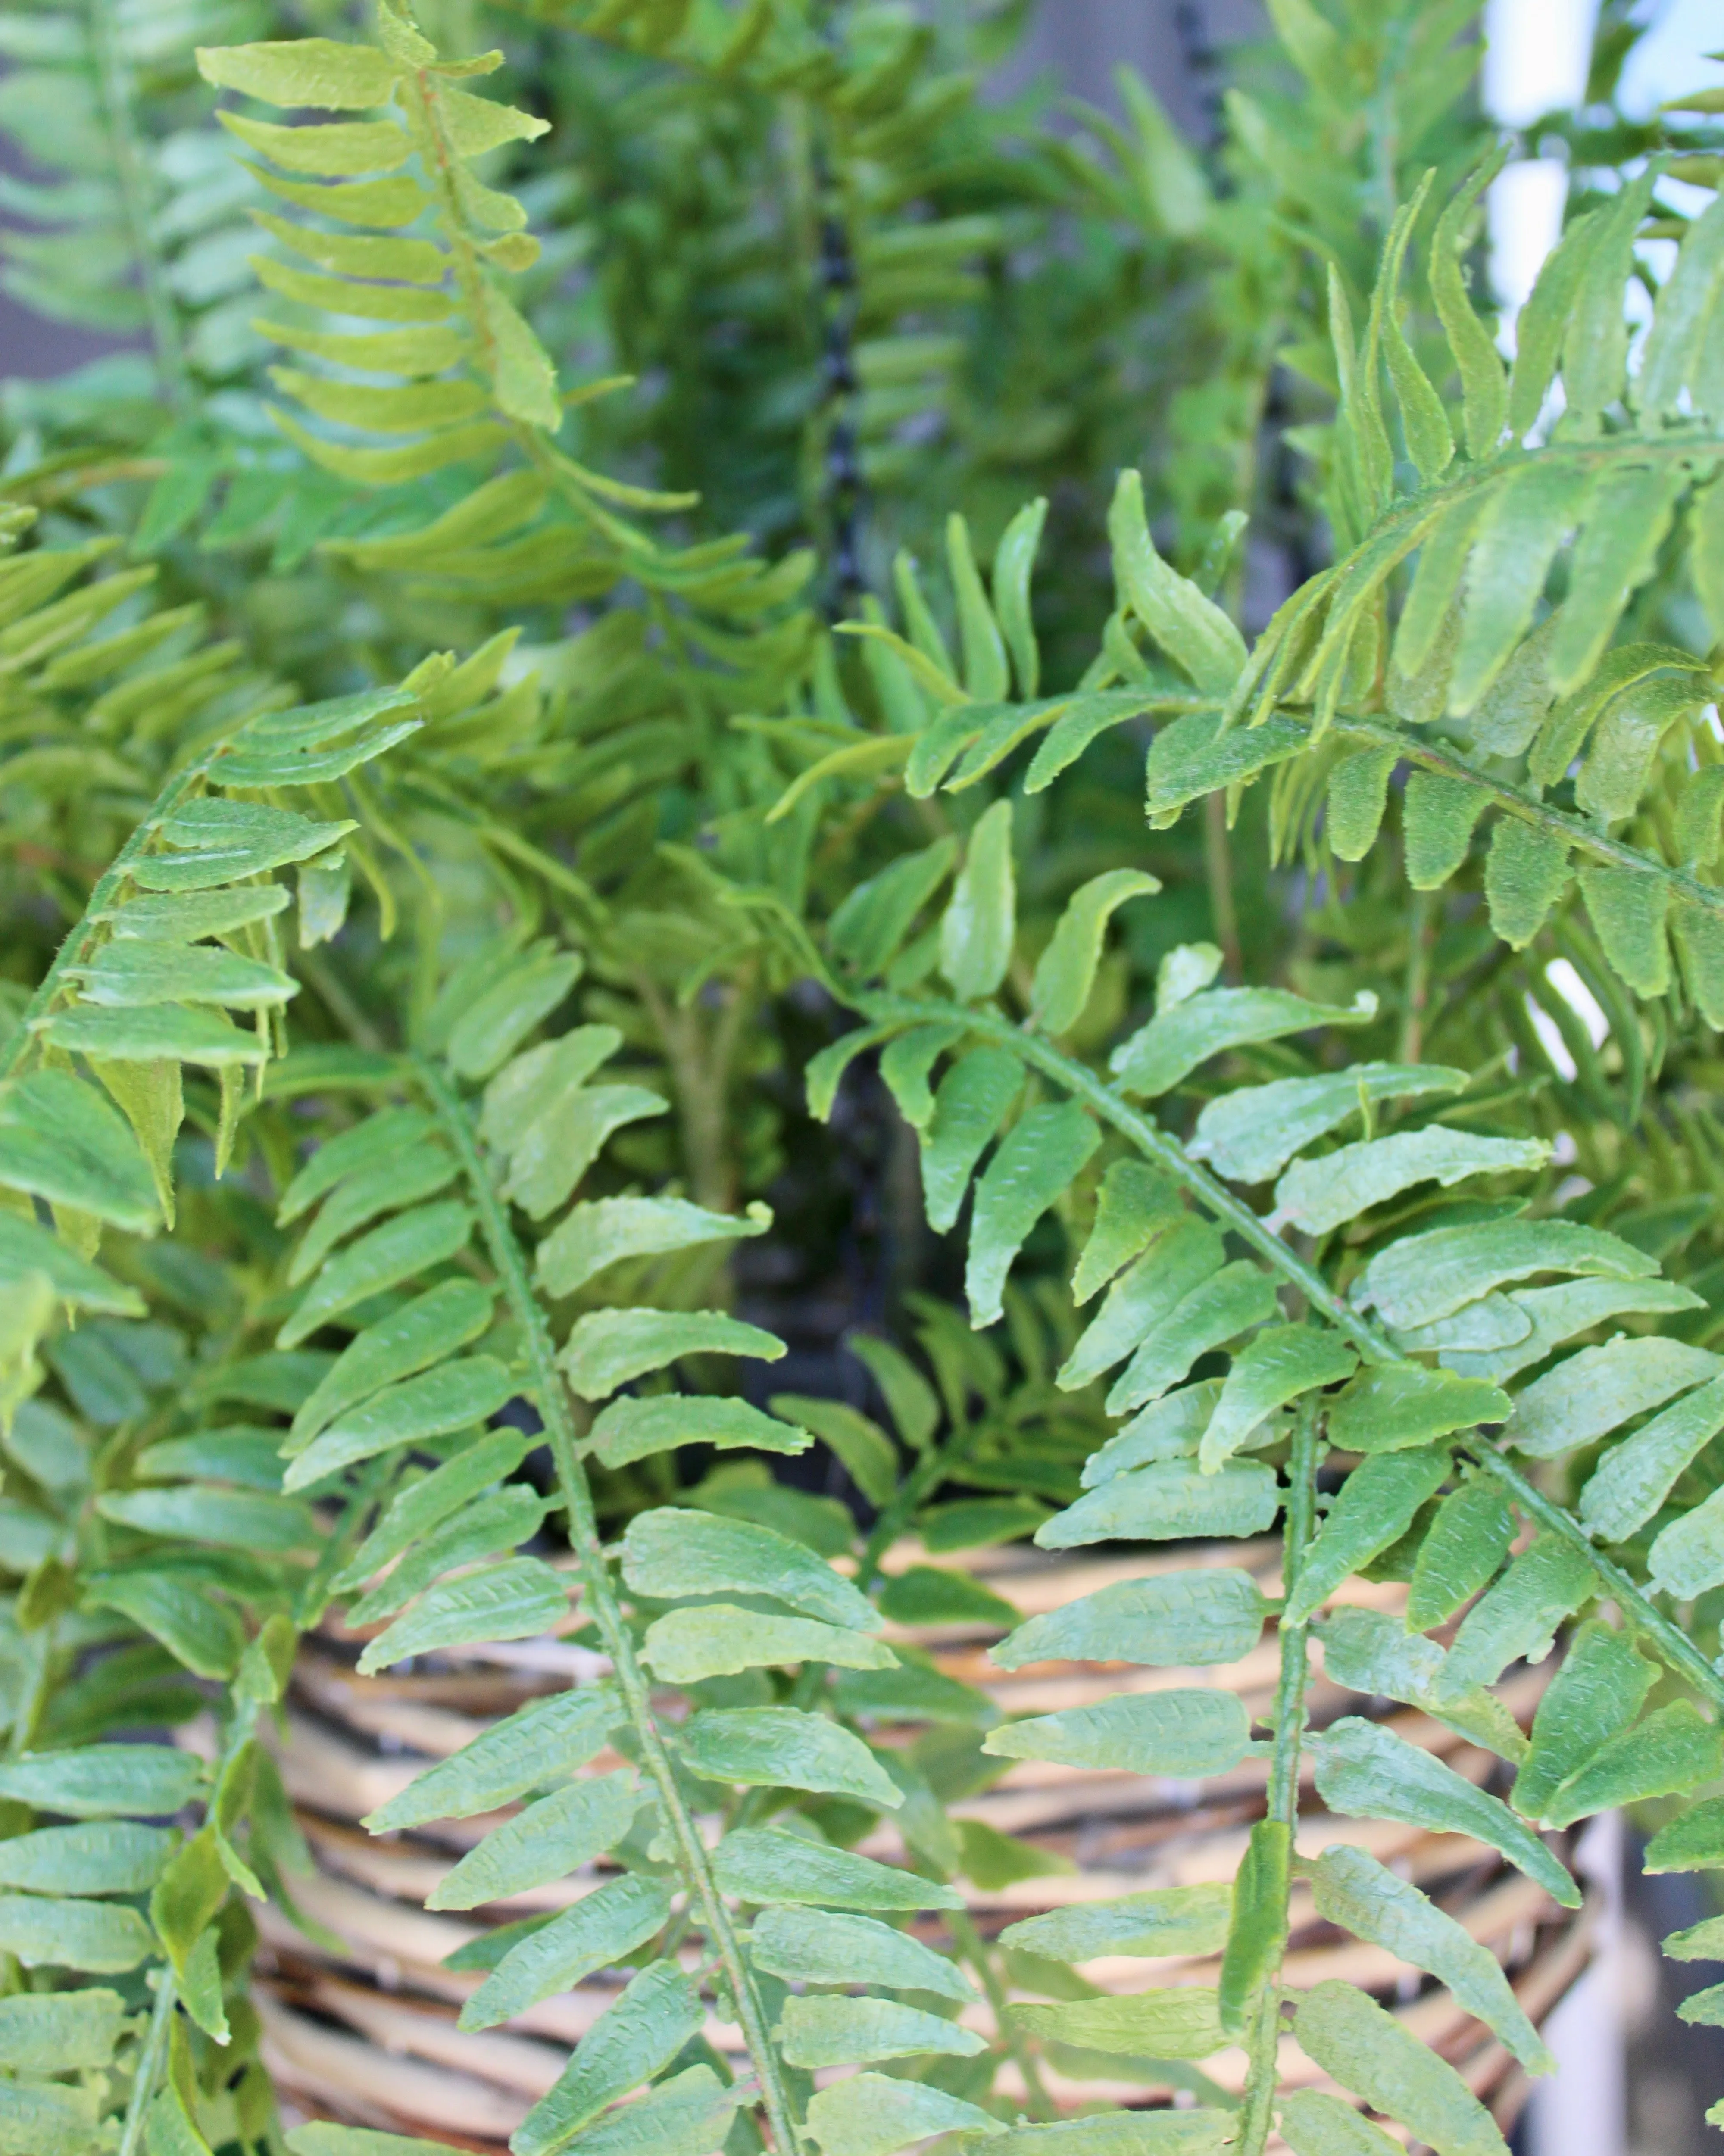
360 2021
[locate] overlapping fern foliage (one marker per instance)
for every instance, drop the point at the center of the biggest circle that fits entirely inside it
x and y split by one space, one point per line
1284 1200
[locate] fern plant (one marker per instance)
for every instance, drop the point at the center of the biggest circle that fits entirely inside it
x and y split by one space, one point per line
1269 1218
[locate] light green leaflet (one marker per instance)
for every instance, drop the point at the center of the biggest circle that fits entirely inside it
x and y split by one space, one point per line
1593 1697
1127 2133
1167 1502
557 1151
322 2137
631 1429
499 1522
1636 1477
1192 629
1352 1890
104 1938
382 1259
1316 2124
1688 1558
971 1104
414 1172
204 1512
101 1781
1369 1773
719 1639
217 842
125 976
1277 1366
538 1088
197 1628
609 1347
818 2030
1241 1295
1186 1733
1393 1408
1043 1153
528 1750
781 1748
1189 1618
198 914
370 1145
434 1325
631 2040
456 1396
601 1231
826 1947
1375 1508
1176 1041
25 1248
59 1140
1167 1429
1367 2050
547 1841
875 917
1590 1394
105 1857
1517 1618
493 1025
907 1063
868 1456
1673 1747
598 1930
977 930
674 1551
1133 1204
1548 1315
1691 1843
1317 1195
877 2115
1368 1651
1065 973
763 1864
1422 1278
50 2120
59 2033
1164 1920
417 1508
515 1600
1184 1253
689 2115
242 1453
1251 1134
1183 2024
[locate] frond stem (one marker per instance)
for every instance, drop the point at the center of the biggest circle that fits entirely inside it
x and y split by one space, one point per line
150 2060
1679 1652
72 951
113 88
583 1534
1262 2078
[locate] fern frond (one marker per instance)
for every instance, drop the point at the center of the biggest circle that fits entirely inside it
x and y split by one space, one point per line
178 932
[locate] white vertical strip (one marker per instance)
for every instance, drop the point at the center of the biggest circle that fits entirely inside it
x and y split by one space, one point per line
1582 2109
1536 54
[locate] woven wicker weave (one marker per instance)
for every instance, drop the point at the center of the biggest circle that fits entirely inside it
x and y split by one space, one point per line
361 2020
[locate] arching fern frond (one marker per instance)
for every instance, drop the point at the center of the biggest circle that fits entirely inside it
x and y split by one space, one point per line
181 930
392 256
1429 1339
